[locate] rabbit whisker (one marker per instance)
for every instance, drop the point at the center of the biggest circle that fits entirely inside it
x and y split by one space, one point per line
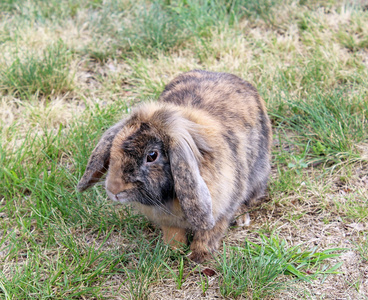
156 202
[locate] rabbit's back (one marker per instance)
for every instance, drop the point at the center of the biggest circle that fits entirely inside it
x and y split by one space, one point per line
223 95
238 131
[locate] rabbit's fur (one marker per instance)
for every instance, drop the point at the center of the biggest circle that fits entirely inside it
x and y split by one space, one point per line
189 160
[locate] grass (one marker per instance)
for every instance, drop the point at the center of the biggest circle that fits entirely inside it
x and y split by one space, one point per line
68 272
254 269
161 27
363 248
70 69
330 124
44 74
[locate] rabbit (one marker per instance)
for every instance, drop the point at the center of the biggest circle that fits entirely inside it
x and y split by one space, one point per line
189 160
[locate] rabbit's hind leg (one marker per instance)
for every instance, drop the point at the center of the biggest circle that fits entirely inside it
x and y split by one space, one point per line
206 242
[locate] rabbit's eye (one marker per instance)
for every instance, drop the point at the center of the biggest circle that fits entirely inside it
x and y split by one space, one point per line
152 156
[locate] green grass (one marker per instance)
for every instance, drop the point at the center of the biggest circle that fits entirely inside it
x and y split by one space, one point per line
35 169
147 29
42 11
70 69
254 269
363 247
354 206
330 125
68 272
31 73
150 268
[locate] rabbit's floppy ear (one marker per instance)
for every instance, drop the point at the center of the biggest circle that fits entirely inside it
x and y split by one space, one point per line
190 188
98 162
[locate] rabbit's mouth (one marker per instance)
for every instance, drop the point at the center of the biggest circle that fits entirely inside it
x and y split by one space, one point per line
121 197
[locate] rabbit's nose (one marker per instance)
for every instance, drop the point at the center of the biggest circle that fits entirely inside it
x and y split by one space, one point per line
114 185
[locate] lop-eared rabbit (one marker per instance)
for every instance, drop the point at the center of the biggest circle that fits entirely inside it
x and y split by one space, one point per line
191 159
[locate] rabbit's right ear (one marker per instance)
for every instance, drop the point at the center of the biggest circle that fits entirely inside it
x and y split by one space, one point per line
98 162
190 188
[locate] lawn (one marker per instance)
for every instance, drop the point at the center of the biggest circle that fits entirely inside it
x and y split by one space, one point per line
71 69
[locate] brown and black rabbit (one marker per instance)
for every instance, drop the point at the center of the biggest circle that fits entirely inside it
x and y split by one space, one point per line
189 160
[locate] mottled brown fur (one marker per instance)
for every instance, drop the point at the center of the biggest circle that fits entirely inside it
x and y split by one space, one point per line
206 242
174 236
212 136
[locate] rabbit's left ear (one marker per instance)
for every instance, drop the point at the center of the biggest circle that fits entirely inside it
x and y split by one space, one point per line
100 158
191 190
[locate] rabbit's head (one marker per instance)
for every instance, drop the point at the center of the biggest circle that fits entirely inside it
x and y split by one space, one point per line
152 158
